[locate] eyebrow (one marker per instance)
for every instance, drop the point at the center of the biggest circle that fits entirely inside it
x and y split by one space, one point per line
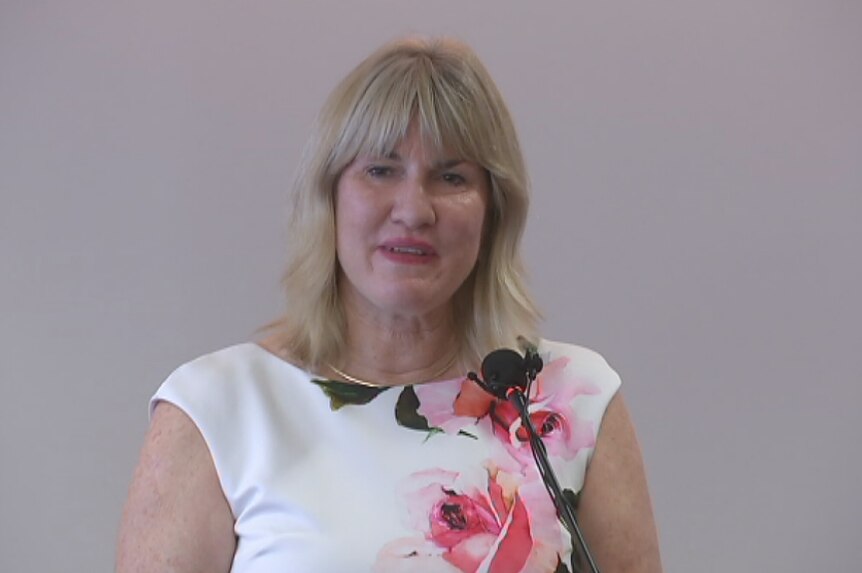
443 164
449 163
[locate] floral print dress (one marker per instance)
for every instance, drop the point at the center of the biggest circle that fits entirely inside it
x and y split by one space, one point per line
325 476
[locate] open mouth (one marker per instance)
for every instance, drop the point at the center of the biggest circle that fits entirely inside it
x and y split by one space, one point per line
408 251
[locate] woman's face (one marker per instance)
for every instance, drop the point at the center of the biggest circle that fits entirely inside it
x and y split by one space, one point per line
408 228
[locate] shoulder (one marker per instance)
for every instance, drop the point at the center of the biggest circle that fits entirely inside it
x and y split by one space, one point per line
234 398
575 351
224 377
615 509
580 362
228 393
224 362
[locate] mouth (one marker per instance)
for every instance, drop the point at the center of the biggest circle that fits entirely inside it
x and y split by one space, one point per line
408 251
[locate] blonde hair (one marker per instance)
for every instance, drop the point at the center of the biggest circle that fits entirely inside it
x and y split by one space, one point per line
442 85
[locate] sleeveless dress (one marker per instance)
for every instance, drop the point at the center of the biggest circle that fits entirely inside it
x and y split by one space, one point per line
329 477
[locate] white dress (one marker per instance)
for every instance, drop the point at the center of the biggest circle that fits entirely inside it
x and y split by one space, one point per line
328 477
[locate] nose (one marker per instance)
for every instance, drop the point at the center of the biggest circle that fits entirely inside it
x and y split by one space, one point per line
411 205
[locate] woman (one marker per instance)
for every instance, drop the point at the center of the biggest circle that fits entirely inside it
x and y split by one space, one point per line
350 439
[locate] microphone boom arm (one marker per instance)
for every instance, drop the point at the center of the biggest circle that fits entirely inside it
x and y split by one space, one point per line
565 511
509 377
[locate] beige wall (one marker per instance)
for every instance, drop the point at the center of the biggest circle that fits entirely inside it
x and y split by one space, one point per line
697 181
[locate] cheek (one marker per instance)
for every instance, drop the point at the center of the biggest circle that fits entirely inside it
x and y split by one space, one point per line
472 227
351 218
348 232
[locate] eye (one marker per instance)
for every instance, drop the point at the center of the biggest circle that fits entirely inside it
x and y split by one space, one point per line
453 178
379 171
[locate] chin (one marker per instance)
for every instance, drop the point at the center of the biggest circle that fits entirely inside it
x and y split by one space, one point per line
412 302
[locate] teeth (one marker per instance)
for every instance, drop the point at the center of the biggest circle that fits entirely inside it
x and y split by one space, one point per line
407 250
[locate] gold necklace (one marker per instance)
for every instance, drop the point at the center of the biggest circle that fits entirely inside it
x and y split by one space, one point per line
362 382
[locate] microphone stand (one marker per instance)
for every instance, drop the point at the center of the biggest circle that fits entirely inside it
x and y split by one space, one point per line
565 510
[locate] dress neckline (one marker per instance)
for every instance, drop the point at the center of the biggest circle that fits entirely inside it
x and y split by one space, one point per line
316 376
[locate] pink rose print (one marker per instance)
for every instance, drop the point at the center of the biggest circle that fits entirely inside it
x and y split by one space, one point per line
437 404
472 401
552 413
455 405
485 523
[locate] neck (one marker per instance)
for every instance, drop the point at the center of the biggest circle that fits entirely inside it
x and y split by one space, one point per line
394 350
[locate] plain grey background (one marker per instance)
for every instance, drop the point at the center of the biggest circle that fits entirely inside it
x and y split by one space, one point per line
696 218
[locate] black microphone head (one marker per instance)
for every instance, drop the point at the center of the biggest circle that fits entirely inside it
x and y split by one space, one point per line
503 369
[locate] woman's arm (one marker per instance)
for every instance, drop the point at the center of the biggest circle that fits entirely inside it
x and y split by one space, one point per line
615 512
176 517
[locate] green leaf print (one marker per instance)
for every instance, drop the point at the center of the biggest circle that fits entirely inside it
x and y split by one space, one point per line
343 393
407 411
407 415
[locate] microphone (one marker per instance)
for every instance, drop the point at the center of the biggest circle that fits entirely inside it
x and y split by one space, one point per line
505 371
507 375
